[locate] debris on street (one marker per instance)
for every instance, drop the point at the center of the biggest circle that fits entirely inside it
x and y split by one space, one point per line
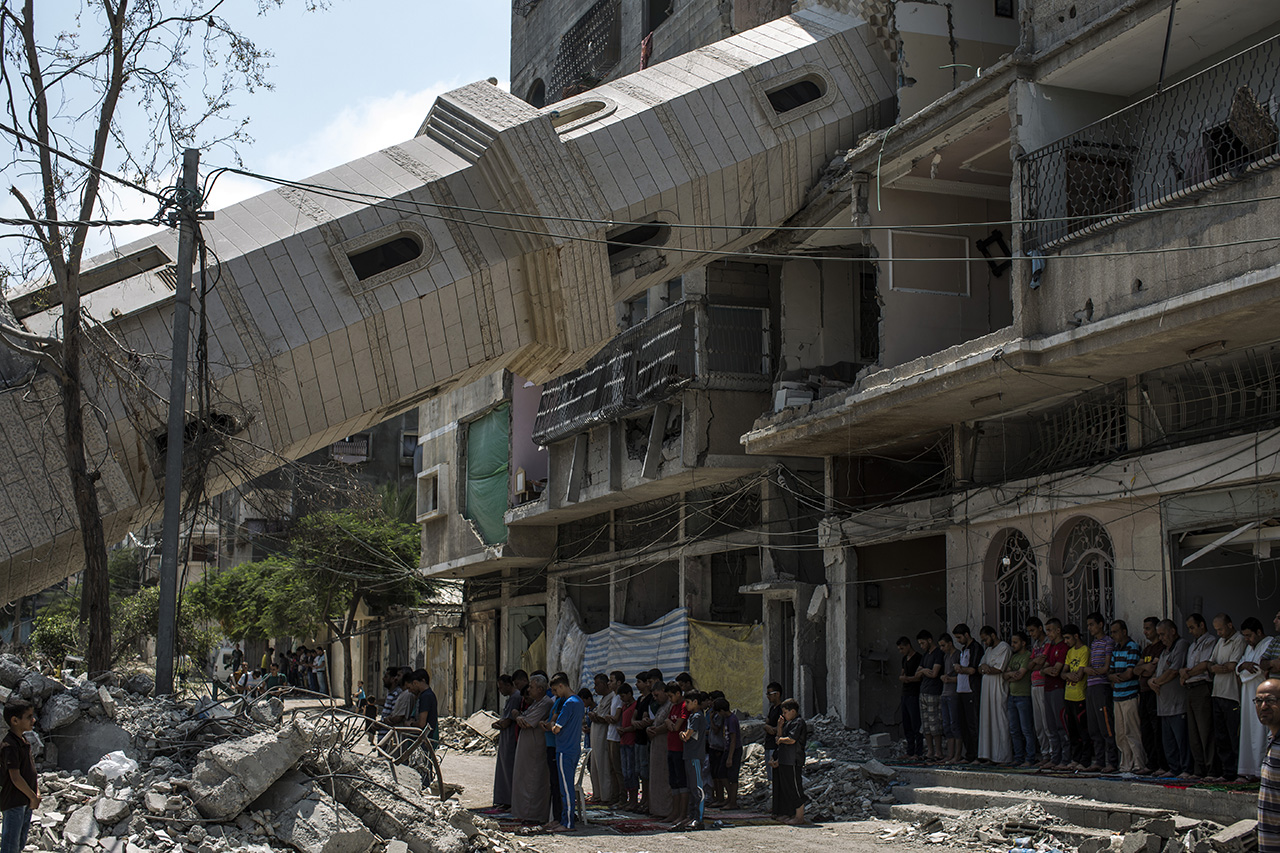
843 778
121 771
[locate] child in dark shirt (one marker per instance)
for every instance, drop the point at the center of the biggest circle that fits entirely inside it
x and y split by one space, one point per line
18 791
789 763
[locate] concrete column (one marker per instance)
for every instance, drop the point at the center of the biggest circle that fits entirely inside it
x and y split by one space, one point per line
843 662
619 580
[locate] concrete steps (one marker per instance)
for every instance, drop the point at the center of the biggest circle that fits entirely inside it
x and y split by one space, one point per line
1114 805
1110 817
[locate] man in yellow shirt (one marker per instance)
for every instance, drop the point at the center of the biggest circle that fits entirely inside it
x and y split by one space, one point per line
1081 747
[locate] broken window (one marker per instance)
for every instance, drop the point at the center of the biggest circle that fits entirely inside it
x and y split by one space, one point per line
806 90
656 13
737 339
537 96
635 237
384 257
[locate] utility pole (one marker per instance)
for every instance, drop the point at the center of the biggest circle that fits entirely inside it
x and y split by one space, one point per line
188 207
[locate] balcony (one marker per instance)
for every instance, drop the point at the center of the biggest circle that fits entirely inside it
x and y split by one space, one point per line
1206 131
690 344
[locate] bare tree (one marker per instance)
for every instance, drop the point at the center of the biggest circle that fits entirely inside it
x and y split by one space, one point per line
107 103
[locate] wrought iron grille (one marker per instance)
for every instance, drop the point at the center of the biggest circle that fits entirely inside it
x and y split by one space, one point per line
588 51
1017 587
1089 428
1213 125
1216 396
1088 571
641 365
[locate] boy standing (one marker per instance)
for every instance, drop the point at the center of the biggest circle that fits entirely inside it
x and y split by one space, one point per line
695 750
567 730
18 796
790 763
627 747
725 772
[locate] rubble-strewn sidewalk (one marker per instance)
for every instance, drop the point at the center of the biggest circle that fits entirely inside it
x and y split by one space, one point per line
122 771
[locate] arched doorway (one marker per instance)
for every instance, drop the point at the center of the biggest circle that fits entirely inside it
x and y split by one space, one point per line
1012 580
1085 570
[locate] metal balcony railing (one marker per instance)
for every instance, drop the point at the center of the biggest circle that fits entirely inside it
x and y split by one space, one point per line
1211 128
690 343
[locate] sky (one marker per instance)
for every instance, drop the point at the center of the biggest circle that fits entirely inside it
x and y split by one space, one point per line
348 80
360 76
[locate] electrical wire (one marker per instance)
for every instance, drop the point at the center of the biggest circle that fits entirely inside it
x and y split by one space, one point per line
395 205
349 194
161 197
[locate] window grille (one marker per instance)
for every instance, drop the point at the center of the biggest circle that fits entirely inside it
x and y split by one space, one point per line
1017 587
1214 124
1088 571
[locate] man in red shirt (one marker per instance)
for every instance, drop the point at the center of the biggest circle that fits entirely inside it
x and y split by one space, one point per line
677 720
1055 657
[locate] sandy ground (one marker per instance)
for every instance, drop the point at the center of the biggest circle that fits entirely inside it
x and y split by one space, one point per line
475 773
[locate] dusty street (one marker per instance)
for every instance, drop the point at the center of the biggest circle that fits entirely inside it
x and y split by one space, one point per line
475 773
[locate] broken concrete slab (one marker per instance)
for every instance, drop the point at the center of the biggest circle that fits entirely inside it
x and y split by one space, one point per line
320 824
59 711
269 711
1141 842
12 671
84 743
109 811
81 827
108 702
1239 837
290 788
139 683
873 769
231 775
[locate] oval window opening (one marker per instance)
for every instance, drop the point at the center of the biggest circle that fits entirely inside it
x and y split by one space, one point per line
384 256
797 94
537 96
646 234
581 110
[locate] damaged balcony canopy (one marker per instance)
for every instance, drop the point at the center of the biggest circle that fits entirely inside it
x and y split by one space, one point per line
690 343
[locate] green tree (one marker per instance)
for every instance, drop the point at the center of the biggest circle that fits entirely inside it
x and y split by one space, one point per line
353 556
336 560
136 617
260 600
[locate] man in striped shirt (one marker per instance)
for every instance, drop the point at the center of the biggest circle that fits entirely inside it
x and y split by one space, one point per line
1123 676
1098 696
1266 702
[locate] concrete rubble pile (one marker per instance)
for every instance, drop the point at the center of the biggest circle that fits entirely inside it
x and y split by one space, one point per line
843 775
1027 828
150 774
457 735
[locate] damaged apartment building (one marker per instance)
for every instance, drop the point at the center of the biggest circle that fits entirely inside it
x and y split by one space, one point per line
1015 354
620 493
1075 402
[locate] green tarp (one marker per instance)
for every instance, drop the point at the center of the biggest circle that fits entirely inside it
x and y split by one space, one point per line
488 472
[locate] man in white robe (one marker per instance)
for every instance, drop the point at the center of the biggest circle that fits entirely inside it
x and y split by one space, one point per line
993 723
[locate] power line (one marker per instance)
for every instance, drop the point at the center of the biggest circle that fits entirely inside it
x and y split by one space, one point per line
81 163
611 223
396 205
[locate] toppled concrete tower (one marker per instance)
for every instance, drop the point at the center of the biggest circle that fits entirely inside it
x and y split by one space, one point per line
501 236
